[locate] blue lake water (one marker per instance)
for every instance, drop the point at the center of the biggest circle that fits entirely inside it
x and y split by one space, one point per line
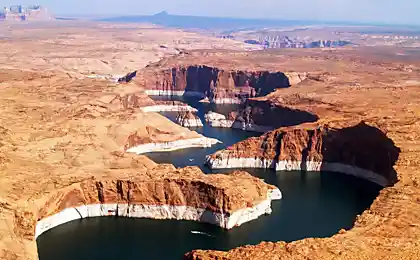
313 205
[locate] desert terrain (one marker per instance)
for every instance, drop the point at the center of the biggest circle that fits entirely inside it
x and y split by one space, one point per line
65 129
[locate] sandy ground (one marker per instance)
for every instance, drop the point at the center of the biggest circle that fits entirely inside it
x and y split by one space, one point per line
81 48
54 133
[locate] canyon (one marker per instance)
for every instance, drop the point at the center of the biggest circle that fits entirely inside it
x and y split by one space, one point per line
101 135
69 143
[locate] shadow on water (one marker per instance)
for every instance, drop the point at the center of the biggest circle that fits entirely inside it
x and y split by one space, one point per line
365 146
314 205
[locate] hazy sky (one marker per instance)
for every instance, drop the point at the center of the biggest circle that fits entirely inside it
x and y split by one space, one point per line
385 11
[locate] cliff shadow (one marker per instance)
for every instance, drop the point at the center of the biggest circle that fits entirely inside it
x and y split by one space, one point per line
266 82
267 114
200 79
127 78
246 84
362 146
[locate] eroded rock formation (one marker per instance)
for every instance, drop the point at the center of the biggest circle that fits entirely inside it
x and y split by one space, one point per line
260 116
220 86
158 140
174 106
361 150
162 193
214 119
188 119
138 100
268 115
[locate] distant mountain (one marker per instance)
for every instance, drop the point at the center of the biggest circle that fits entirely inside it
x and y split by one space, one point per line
202 22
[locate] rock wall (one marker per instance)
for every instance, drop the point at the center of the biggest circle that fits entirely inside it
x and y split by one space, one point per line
218 85
140 146
173 195
260 116
164 106
217 120
270 116
361 150
188 119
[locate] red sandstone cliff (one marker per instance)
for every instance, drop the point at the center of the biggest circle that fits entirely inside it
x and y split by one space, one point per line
265 113
361 145
216 83
188 119
165 185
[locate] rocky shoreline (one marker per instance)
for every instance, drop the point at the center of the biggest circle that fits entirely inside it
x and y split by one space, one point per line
312 166
316 148
176 93
222 219
162 192
168 108
173 145
188 119
218 120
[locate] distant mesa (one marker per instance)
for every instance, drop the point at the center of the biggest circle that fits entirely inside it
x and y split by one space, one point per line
25 13
163 13
277 41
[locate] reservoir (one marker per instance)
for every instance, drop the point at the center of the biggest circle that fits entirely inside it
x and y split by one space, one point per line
313 205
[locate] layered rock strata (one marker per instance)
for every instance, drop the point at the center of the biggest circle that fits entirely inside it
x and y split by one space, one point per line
260 116
360 150
138 100
185 194
188 119
159 141
218 120
263 116
168 106
214 119
201 142
176 93
218 85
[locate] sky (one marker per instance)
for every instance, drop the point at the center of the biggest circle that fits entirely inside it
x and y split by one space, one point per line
377 11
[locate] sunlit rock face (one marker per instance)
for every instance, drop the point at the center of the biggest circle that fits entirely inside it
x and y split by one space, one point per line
188 119
218 85
217 120
360 150
260 116
164 194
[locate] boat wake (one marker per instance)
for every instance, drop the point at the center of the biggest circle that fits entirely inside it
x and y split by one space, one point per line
201 233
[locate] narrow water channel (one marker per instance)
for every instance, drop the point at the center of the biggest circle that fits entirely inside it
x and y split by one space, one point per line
196 156
313 205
